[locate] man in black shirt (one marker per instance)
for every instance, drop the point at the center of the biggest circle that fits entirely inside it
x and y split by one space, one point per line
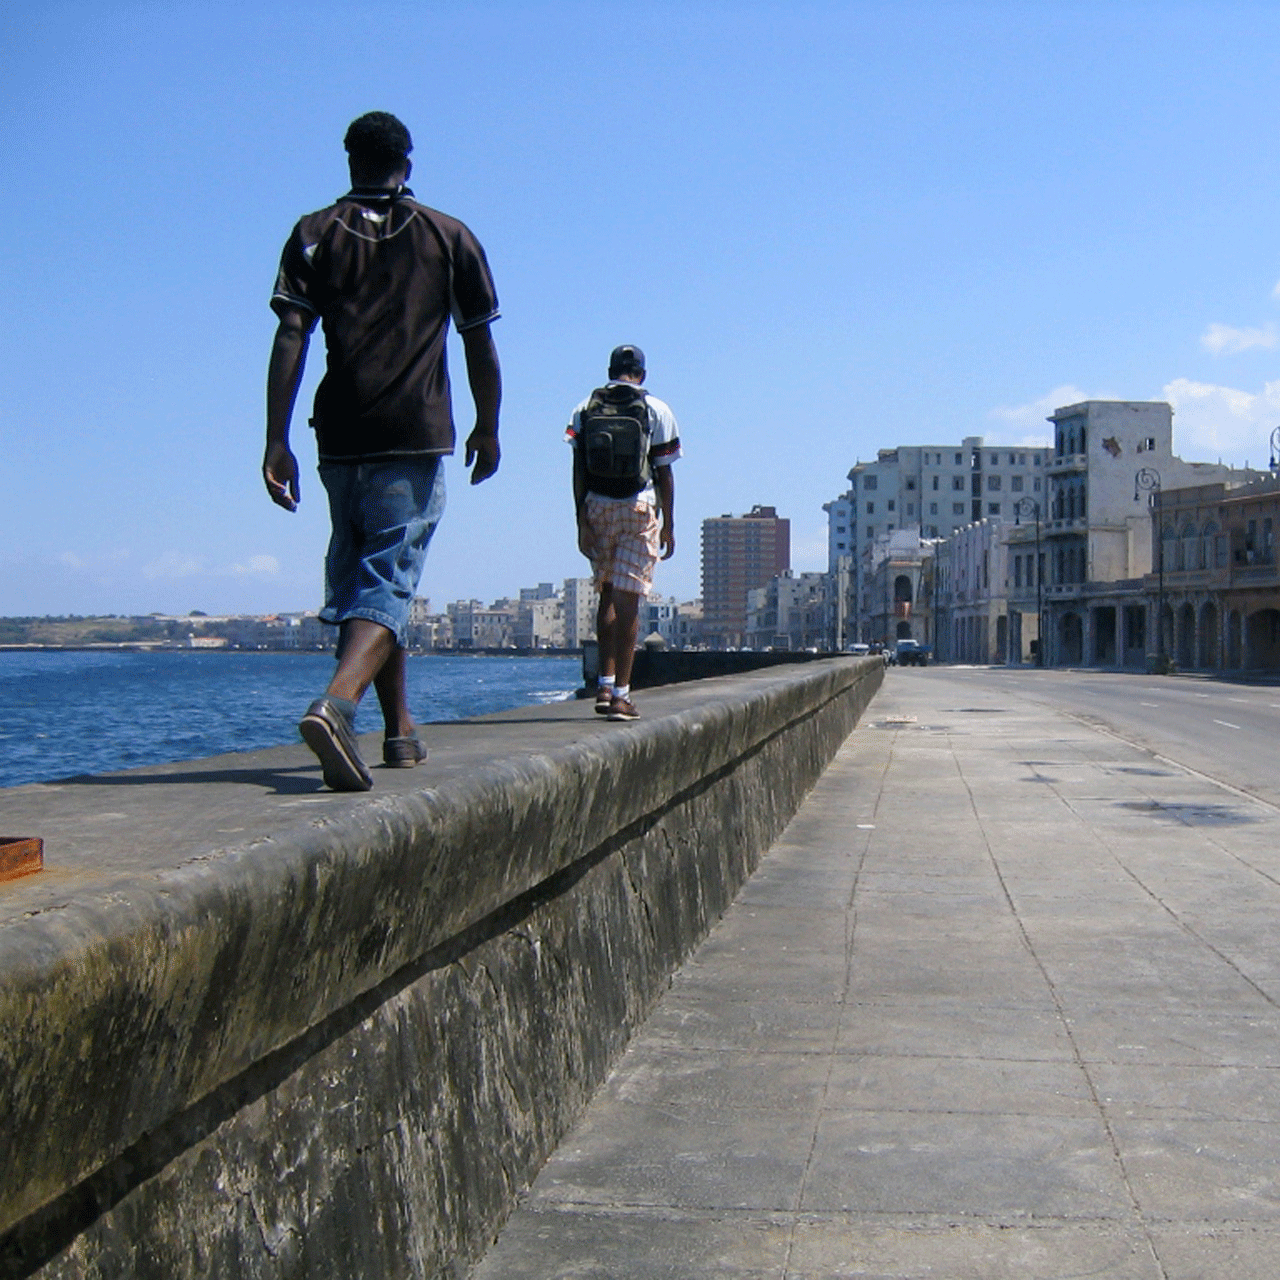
384 275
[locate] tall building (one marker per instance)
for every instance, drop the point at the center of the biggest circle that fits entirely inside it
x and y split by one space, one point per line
1112 459
934 489
580 602
739 553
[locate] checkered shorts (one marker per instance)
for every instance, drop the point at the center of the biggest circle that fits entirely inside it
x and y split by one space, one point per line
625 531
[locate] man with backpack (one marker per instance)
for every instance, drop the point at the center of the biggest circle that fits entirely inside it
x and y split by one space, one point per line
624 442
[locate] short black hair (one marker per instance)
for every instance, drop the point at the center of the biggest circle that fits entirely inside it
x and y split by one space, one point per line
377 142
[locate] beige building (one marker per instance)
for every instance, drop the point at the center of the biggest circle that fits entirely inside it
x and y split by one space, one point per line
970 595
1219 592
1110 459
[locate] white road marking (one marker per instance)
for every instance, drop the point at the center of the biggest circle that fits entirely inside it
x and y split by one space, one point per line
1226 724
1148 704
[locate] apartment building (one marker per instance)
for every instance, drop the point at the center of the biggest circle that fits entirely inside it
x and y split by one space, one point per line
970 602
1112 462
789 612
1216 580
739 553
934 489
581 600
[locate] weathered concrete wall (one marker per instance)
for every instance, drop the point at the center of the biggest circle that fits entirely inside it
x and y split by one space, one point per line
347 1050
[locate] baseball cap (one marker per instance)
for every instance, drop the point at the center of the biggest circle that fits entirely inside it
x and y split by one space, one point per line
626 359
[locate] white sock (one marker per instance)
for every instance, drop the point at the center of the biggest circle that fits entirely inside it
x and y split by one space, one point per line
606 683
621 690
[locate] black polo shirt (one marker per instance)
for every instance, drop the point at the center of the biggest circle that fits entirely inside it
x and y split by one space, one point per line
385 274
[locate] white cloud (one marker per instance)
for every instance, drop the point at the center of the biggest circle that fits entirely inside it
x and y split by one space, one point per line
256 564
1026 425
172 565
1213 422
1222 339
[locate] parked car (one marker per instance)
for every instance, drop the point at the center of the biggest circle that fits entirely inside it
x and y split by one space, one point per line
911 653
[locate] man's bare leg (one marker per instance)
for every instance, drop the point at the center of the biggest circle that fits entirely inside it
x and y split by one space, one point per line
390 686
625 629
363 650
604 632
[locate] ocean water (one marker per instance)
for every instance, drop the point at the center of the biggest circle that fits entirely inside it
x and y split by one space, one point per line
67 713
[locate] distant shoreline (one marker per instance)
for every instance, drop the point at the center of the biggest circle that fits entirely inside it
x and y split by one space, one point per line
146 646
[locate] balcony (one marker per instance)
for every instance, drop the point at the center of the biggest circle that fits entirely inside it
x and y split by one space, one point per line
1065 462
1075 524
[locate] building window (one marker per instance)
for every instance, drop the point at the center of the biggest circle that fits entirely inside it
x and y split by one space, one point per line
1017 571
957 483
892 504
1037 459
935 482
839 528
911 484
994 482
839 546
871 531
995 459
1015 483
868 482
1036 486
993 508
933 508
957 508
959 459
871 508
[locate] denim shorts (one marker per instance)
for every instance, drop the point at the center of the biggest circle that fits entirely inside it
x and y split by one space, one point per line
383 515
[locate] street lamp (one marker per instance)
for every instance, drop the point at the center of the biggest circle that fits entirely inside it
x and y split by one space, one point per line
1028 505
1148 479
1275 452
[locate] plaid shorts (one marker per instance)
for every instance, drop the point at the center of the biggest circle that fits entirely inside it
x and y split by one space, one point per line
625 531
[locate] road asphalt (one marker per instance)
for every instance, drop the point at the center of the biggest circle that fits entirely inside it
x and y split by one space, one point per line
1003 1001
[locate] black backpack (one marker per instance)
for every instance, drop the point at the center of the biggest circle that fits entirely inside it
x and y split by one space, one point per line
613 440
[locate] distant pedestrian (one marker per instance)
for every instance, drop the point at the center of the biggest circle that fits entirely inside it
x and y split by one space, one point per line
383 274
625 441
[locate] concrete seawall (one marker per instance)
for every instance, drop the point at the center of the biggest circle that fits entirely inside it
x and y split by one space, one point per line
342 1048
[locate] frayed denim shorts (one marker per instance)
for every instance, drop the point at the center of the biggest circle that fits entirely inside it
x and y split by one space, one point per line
383 515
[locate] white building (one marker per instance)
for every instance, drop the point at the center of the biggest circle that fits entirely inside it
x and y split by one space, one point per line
1111 459
659 615
789 612
580 603
936 489
970 606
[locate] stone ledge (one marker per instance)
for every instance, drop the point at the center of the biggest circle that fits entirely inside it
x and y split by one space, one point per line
149 1033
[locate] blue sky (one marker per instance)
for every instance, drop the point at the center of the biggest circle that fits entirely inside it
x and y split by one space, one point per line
832 227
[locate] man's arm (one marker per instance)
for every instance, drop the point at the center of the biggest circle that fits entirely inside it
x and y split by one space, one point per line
485 376
664 484
284 373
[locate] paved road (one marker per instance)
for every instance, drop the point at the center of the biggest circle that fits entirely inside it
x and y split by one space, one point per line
1229 731
1003 1003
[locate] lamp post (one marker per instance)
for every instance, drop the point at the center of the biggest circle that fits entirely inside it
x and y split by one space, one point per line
1275 452
1148 479
1029 505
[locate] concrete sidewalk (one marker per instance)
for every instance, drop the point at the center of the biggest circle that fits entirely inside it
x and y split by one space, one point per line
1002 1002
